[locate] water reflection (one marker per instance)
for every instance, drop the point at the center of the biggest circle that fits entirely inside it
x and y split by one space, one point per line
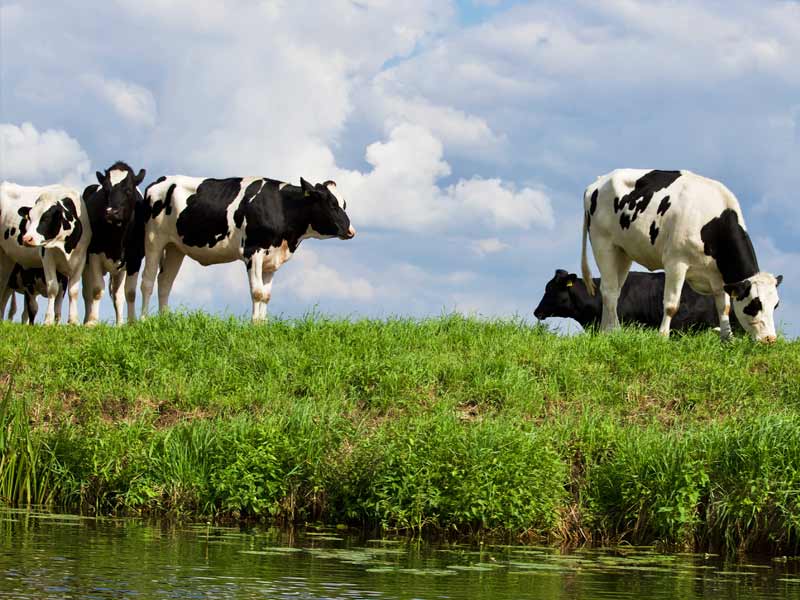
55 556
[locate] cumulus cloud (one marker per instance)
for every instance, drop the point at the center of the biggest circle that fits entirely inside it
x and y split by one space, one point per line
130 101
310 279
488 246
33 157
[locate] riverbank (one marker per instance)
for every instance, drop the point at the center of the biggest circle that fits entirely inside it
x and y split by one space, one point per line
445 424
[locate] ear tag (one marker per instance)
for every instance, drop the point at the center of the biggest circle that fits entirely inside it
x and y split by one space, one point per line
306 194
569 284
734 297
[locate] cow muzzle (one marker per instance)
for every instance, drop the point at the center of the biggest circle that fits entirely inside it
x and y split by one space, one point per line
27 239
113 216
351 233
768 339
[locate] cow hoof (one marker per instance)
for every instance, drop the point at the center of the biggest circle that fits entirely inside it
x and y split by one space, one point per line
92 323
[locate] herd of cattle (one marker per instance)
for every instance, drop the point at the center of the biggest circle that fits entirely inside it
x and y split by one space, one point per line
54 238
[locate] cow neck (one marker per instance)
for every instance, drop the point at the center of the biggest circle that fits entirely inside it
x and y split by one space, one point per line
727 242
297 209
106 238
589 308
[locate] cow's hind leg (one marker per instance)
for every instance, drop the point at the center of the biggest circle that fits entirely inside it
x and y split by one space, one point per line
266 293
170 265
31 308
674 276
613 263
116 290
153 253
255 267
92 289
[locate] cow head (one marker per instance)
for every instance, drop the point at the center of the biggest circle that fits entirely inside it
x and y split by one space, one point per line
327 217
754 302
52 219
559 299
119 184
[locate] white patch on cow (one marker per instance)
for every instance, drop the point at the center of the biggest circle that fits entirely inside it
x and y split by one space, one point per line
117 176
282 185
316 235
336 194
276 256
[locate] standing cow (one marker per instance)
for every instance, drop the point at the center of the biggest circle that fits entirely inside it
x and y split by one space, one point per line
48 228
31 283
688 225
256 220
117 214
640 302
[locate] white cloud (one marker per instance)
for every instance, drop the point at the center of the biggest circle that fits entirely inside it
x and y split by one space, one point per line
28 156
309 279
130 101
488 246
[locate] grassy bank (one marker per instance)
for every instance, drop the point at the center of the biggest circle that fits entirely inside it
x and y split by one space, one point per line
449 424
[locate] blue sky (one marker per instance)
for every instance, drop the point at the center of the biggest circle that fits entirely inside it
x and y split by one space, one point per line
461 133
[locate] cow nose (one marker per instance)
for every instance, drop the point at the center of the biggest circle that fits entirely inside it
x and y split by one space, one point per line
769 339
351 233
27 239
538 314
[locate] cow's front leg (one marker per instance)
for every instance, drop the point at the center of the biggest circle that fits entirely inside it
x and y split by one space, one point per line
255 266
130 295
117 291
59 303
170 265
51 283
674 276
266 293
722 302
153 253
92 290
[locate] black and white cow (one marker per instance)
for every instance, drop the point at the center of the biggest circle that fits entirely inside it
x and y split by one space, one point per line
117 214
688 225
256 220
640 303
31 283
44 227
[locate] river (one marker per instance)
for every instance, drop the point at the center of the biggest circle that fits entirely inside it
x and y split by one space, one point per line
45 555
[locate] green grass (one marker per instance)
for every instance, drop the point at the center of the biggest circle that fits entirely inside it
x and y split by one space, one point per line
446 424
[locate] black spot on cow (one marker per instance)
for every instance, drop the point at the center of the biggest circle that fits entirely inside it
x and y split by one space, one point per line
593 205
645 187
23 223
616 205
165 205
50 222
6 234
249 194
753 308
588 222
147 189
204 221
663 207
653 233
729 244
740 289
625 220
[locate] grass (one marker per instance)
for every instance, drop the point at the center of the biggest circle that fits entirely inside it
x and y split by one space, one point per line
447 424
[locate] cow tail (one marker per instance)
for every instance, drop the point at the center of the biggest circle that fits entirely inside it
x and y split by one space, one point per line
585 270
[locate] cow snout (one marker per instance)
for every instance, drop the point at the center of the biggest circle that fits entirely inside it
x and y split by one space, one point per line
538 313
768 339
351 233
113 215
27 239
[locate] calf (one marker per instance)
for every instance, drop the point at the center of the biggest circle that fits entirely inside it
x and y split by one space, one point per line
640 302
688 225
256 220
31 283
117 214
44 227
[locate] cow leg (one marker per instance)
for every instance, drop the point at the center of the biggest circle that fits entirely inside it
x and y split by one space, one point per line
6 266
51 280
130 295
32 307
152 260
116 290
612 262
674 276
59 303
170 265
255 268
92 289
12 309
266 293
722 302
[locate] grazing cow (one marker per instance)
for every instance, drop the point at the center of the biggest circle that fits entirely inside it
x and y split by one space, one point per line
117 214
44 227
31 283
640 302
688 225
256 220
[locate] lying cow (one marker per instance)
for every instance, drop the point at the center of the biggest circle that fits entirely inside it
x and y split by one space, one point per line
31 283
117 214
640 303
47 228
256 220
691 227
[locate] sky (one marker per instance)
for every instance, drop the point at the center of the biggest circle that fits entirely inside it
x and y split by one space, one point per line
461 133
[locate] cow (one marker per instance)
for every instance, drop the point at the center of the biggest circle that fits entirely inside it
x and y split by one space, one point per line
48 228
640 303
688 225
117 214
31 283
256 220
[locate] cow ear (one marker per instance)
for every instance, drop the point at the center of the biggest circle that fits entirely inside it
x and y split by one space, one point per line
139 178
100 177
560 273
737 290
307 188
778 280
571 279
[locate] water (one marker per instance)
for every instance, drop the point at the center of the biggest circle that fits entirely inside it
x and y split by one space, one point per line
64 556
